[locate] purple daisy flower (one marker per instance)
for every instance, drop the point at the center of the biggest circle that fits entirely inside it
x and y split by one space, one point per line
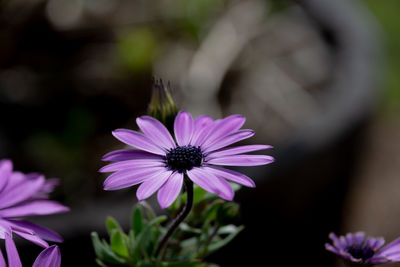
24 195
200 146
364 251
50 257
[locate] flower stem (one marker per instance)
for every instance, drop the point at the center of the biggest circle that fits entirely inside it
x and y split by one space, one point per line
181 216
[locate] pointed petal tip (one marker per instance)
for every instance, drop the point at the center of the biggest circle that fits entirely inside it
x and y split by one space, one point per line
163 205
101 170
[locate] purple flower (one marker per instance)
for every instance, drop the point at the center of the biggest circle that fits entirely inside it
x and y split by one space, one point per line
160 162
50 257
24 195
364 251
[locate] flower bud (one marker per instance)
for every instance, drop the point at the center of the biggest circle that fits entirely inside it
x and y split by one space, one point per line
162 106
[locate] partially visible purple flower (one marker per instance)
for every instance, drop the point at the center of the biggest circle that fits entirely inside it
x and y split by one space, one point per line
50 257
199 146
24 195
364 251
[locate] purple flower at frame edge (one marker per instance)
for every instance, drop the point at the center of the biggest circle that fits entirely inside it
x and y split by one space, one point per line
25 195
160 162
361 250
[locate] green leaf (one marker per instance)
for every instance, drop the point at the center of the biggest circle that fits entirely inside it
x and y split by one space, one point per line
227 229
137 220
186 228
144 240
112 224
214 246
104 252
117 244
149 211
100 263
211 213
189 247
146 264
194 263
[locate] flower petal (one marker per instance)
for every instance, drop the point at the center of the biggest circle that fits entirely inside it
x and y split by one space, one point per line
137 140
183 128
170 190
128 154
359 238
37 207
5 228
5 172
33 238
392 247
236 177
21 191
12 253
332 249
200 125
130 164
42 232
156 131
380 260
223 128
237 150
2 261
50 257
242 160
148 187
211 183
375 243
336 241
228 140
130 177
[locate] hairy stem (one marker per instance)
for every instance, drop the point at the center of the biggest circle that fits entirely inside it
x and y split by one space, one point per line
181 216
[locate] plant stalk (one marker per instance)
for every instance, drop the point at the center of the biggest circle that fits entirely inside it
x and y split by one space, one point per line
179 219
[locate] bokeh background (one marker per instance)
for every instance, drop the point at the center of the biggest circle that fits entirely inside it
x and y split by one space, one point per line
318 79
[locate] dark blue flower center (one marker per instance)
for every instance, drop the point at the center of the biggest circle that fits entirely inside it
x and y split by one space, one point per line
184 158
361 252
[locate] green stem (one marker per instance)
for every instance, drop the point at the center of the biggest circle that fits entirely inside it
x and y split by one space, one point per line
207 243
179 219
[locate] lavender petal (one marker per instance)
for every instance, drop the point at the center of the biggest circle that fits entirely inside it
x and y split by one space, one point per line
130 164
21 191
183 128
12 253
242 160
233 176
170 190
225 127
138 140
200 124
128 154
42 232
228 140
37 207
5 172
211 183
130 177
236 150
50 257
156 131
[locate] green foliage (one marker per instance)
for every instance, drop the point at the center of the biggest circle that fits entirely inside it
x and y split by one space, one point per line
208 228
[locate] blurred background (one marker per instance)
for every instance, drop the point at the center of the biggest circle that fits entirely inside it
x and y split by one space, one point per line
317 79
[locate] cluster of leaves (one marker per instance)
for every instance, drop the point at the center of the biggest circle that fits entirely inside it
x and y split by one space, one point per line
208 228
